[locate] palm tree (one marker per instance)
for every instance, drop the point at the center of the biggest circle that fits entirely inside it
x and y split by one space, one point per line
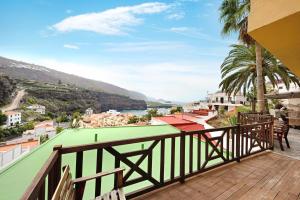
234 15
239 70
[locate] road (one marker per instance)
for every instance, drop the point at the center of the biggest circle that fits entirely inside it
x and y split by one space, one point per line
15 103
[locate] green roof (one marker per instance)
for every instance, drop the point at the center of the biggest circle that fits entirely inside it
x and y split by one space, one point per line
17 177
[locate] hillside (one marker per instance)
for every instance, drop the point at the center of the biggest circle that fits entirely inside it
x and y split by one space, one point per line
26 71
64 98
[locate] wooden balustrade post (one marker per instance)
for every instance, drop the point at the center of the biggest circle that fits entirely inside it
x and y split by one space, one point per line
238 142
272 133
55 173
182 156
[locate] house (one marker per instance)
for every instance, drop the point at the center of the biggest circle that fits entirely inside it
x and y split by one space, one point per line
230 102
89 111
13 118
37 108
224 98
45 127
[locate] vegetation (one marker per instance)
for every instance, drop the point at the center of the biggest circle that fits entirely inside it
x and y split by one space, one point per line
239 70
69 99
76 116
152 113
154 104
133 120
3 118
243 109
233 120
227 118
62 118
6 133
59 129
221 111
44 138
234 15
177 109
7 86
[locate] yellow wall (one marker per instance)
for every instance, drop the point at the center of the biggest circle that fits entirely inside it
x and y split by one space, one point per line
275 24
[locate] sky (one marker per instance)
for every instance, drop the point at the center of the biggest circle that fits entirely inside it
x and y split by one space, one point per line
164 49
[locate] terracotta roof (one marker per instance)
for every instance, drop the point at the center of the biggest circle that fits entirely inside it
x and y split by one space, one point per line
172 120
26 144
187 117
189 127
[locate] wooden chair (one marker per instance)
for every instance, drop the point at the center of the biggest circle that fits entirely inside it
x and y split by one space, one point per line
281 130
66 186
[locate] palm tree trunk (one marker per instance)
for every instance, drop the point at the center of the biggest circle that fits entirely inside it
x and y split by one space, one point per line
266 100
259 79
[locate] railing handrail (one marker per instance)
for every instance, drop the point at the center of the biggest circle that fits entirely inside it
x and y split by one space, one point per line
37 182
91 146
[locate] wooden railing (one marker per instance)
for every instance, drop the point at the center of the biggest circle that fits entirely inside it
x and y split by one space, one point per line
175 158
253 117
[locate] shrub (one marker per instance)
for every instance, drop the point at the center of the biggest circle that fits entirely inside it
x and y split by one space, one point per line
178 109
3 118
44 138
221 110
233 120
152 113
133 120
59 129
243 109
31 100
28 126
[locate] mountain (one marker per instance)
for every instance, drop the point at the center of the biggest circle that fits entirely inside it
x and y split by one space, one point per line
25 71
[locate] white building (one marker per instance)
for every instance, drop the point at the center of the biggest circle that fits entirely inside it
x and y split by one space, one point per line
223 98
37 108
89 112
228 101
13 117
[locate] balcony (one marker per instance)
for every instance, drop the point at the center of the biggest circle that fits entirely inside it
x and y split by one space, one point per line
237 162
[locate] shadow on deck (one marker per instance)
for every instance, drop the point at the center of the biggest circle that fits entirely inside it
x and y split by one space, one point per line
265 176
294 140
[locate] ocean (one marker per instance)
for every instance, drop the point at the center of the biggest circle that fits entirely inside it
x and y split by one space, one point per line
163 111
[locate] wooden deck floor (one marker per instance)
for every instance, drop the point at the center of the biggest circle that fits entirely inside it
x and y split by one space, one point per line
294 139
265 176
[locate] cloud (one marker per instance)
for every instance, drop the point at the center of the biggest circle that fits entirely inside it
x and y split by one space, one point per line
71 46
145 46
179 29
190 32
176 16
114 21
